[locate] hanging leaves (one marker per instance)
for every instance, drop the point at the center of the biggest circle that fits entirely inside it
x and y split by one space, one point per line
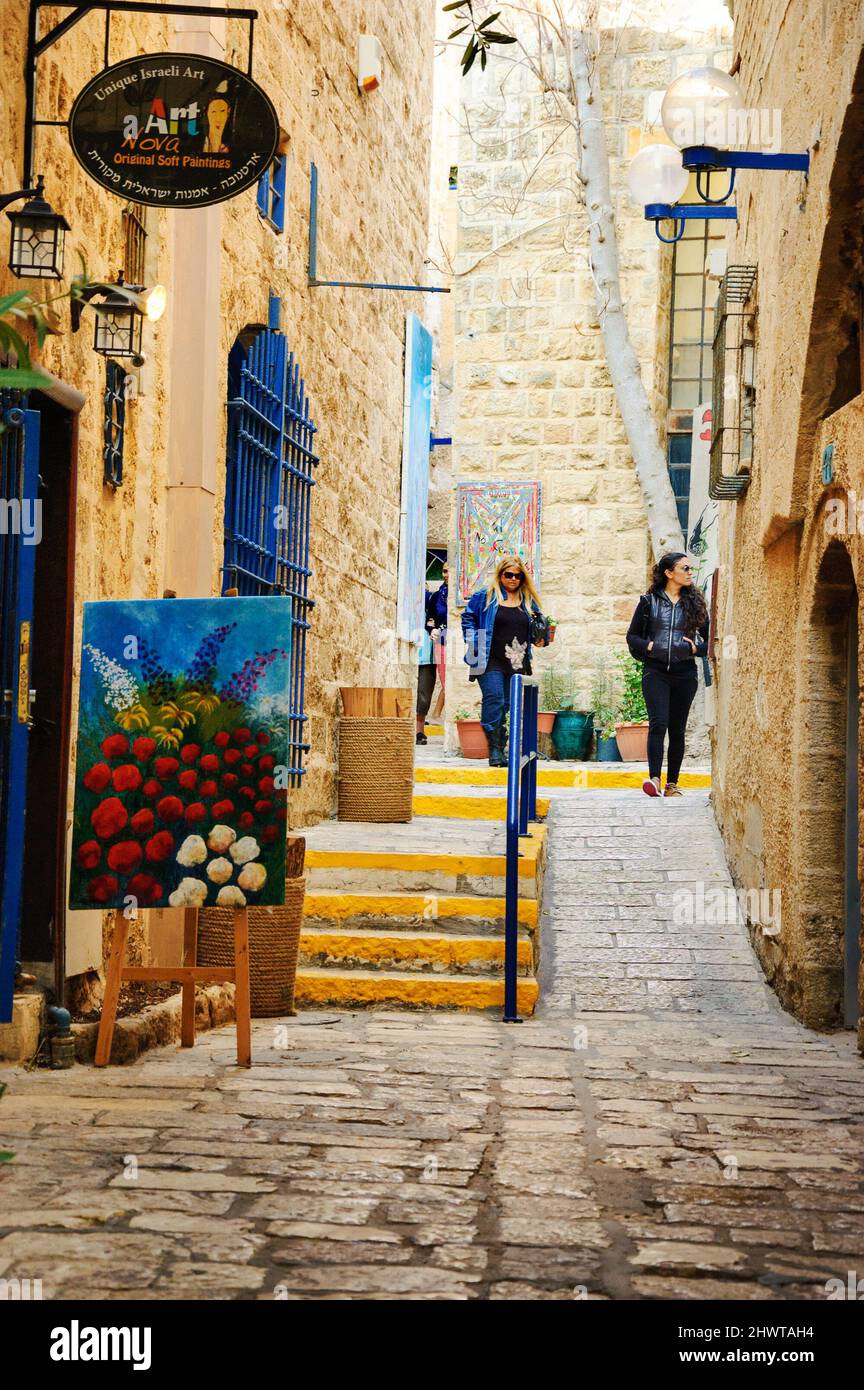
483 36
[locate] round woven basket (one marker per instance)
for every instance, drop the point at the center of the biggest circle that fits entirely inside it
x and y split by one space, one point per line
376 769
274 944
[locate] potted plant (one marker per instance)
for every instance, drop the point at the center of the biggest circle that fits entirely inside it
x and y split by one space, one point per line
571 733
553 624
473 742
606 704
554 694
632 729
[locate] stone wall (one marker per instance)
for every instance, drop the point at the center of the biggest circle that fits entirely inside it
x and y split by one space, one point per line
163 526
789 572
533 394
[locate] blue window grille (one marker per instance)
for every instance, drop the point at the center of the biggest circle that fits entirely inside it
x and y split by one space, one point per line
271 194
680 446
114 423
269 481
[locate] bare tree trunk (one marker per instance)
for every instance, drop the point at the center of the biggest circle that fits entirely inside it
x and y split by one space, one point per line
639 422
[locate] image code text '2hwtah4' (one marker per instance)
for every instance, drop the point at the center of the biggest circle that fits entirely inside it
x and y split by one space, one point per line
181 775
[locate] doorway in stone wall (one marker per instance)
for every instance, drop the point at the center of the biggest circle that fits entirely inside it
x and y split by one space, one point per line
828 808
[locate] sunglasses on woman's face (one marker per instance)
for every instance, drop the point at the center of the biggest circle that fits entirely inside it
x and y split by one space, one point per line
510 574
688 569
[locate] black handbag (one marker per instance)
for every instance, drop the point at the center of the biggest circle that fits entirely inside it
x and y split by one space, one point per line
539 628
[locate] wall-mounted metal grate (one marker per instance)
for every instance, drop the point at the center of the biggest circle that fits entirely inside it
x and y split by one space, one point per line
270 476
732 398
114 423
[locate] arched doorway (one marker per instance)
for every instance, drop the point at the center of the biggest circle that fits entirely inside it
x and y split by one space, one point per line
824 990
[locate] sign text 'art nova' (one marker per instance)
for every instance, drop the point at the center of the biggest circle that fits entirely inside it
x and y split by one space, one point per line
174 130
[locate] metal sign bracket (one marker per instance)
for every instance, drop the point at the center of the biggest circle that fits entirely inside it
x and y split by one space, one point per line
37 45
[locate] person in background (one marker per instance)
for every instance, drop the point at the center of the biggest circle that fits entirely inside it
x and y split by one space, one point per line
496 625
436 624
425 684
669 629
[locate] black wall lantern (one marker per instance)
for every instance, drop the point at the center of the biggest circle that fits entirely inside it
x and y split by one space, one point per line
119 316
38 235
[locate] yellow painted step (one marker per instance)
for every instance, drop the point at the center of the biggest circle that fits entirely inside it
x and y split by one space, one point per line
341 907
448 951
352 988
479 864
590 777
469 807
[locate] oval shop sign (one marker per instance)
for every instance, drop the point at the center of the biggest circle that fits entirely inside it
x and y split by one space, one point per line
173 130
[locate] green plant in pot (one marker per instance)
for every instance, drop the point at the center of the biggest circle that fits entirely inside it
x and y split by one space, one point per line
606 705
571 733
554 695
473 742
631 728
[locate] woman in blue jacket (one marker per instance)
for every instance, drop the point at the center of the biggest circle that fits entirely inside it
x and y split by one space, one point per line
496 625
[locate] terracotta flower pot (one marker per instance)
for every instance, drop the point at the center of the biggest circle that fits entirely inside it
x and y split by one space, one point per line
472 738
545 720
632 742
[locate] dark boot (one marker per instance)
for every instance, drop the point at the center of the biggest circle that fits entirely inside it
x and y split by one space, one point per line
493 738
502 741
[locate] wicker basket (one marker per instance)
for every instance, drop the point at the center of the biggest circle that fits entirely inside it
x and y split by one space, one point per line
274 945
376 769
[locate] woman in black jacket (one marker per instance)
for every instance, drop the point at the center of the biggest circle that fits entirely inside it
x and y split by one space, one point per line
668 631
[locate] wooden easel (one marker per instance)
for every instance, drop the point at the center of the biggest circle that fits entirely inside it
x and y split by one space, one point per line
188 975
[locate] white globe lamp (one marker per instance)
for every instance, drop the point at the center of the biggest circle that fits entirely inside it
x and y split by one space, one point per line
701 107
656 175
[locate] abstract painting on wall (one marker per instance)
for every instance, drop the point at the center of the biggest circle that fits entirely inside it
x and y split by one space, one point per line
182 754
494 520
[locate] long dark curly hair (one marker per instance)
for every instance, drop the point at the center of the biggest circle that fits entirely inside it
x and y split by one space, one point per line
692 603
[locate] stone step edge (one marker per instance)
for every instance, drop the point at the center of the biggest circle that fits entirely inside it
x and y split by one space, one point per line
342 906
491 865
411 945
482 808
426 775
353 988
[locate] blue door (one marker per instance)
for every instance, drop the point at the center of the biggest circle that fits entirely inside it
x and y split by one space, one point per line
19 481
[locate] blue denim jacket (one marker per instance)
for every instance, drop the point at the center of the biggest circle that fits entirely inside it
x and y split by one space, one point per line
477 624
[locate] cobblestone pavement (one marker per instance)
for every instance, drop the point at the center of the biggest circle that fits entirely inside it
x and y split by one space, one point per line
660 1129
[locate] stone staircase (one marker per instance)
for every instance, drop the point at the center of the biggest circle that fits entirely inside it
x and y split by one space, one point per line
413 915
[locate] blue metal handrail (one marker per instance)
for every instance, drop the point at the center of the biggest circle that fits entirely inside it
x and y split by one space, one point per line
521 808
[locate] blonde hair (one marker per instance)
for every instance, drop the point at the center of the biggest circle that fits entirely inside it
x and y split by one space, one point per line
527 587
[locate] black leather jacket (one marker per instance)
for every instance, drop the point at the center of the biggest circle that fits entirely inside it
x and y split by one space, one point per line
658 620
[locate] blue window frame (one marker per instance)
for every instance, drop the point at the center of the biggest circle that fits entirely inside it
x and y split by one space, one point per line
271 194
268 486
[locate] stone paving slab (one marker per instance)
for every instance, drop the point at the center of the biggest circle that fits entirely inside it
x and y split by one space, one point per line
661 1129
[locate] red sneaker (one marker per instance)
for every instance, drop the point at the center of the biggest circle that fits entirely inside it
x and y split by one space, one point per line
650 787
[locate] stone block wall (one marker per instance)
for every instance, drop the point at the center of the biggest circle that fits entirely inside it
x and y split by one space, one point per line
533 394
789 575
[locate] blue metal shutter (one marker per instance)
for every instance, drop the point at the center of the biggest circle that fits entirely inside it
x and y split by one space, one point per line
269 480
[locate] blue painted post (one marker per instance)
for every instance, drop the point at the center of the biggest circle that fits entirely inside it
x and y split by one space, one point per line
532 706
511 894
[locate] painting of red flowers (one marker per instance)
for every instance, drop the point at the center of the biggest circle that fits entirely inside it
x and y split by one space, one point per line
174 807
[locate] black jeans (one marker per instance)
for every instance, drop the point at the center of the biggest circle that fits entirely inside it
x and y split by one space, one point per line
668 696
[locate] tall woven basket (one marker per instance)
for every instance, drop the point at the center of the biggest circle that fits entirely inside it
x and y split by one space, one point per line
376 769
274 945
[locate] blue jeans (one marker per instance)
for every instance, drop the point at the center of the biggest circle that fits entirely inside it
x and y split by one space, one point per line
495 690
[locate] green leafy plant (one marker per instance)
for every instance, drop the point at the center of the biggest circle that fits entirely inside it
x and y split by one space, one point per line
482 34
555 690
464 713
605 695
633 709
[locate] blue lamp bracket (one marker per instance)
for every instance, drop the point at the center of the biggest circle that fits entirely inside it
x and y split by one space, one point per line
681 213
708 159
